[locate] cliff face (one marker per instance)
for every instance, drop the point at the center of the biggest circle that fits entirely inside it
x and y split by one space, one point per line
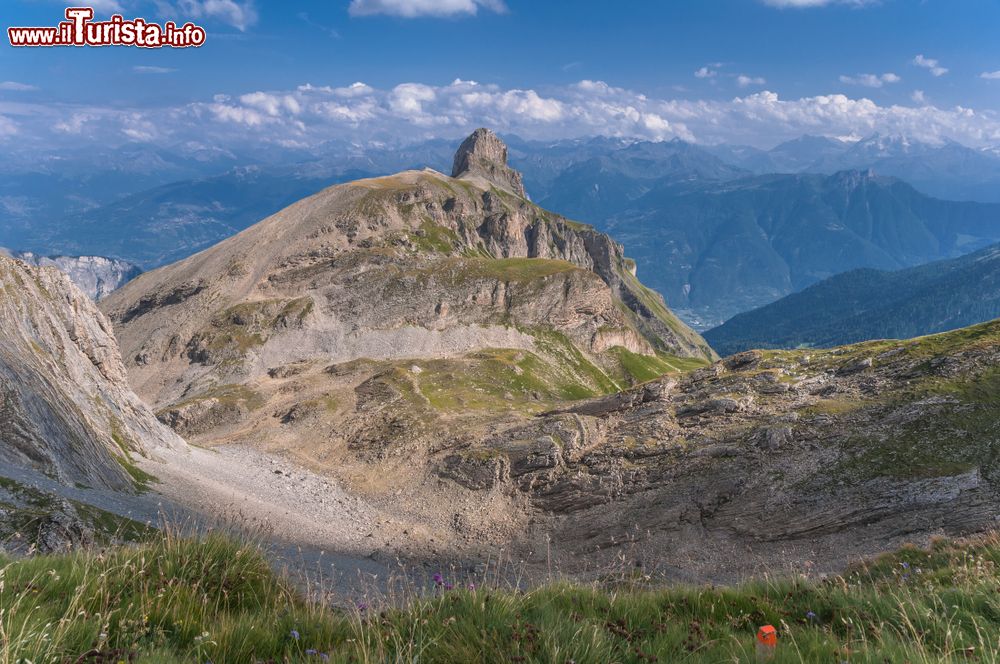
483 155
94 275
66 408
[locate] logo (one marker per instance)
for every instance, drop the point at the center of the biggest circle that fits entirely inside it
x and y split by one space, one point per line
79 29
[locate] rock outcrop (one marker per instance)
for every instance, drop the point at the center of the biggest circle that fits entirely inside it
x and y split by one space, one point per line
66 409
484 155
96 276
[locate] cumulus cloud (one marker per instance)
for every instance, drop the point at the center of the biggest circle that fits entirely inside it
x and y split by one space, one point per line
311 114
930 64
871 80
14 86
990 75
745 81
416 8
918 97
705 72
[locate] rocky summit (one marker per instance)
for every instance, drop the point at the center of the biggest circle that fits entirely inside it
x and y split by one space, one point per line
484 155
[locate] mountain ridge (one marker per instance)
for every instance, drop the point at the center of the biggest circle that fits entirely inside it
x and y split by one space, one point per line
871 304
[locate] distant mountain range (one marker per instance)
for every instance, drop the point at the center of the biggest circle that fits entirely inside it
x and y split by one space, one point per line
872 304
706 227
717 250
948 170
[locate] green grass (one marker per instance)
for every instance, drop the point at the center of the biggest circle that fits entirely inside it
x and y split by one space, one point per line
501 380
28 509
640 368
434 238
228 395
184 600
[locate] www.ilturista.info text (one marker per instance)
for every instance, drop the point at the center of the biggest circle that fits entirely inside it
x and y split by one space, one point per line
80 30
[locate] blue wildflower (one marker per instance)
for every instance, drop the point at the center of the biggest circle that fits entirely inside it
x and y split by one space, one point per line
810 615
312 651
295 634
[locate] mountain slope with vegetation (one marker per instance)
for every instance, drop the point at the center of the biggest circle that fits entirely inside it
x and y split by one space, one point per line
872 304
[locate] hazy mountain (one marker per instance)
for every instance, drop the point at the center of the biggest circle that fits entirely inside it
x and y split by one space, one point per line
94 275
948 170
872 304
175 220
600 186
792 156
717 250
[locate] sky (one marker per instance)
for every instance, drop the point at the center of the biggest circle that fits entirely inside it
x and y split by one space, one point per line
296 73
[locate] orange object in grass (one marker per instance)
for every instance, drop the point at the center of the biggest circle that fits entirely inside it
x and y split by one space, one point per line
768 636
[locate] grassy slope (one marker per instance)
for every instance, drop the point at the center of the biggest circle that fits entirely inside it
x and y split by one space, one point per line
181 600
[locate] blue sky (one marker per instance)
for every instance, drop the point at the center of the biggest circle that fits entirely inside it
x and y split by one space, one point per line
742 71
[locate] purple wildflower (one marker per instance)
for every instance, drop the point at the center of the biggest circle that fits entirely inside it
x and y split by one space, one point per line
472 587
295 634
362 606
810 615
906 565
438 579
323 656
312 651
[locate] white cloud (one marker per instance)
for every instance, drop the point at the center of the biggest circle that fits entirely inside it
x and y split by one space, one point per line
990 75
14 86
407 99
7 127
705 72
931 65
415 8
150 69
270 104
745 81
311 114
239 14
871 80
918 97
74 123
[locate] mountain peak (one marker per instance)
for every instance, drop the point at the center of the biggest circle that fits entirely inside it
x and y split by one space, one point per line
483 154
